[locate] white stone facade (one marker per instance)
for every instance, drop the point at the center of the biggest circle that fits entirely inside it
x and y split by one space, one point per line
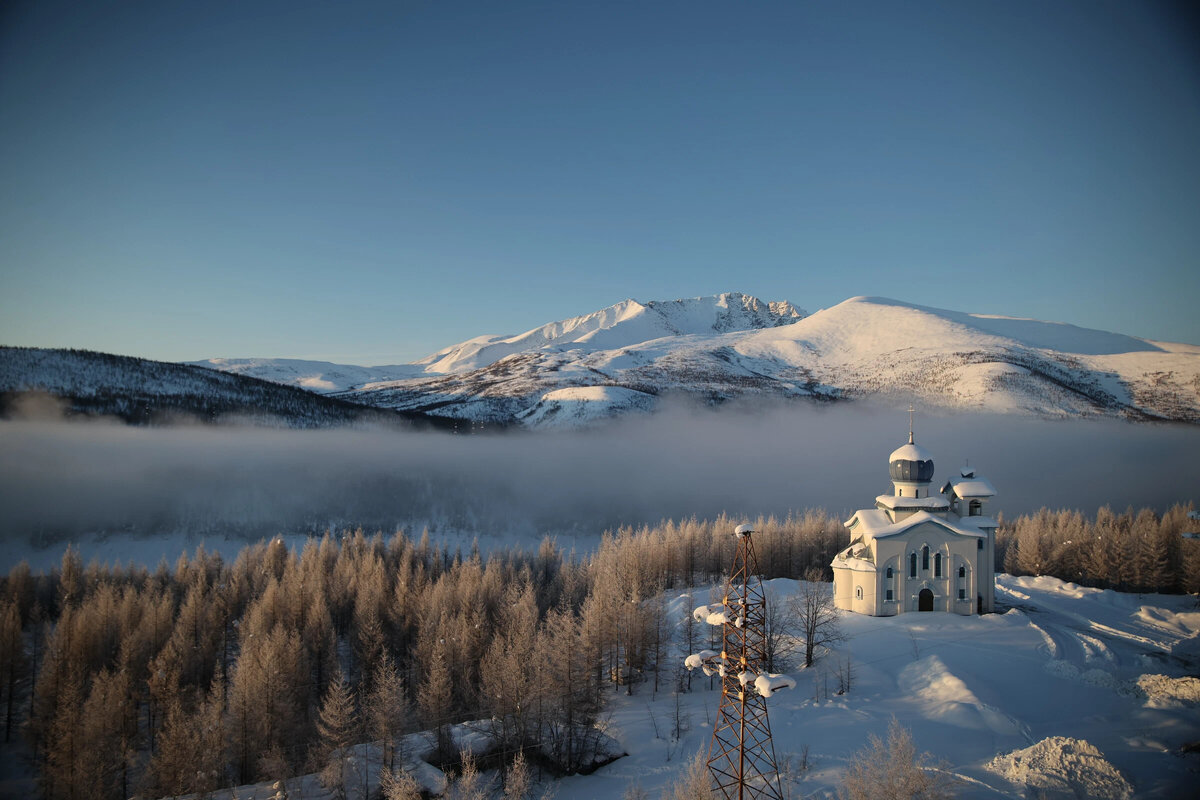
917 550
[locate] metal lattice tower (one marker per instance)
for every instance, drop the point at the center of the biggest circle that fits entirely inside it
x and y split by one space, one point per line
741 756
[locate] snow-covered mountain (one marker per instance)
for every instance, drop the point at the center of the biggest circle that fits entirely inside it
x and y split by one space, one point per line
624 324
40 381
628 356
321 377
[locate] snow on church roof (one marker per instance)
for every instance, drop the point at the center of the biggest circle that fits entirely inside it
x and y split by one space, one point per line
972 487
879 525
910 452
932 502
844 559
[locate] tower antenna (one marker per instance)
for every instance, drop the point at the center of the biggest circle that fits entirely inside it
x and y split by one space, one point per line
741 757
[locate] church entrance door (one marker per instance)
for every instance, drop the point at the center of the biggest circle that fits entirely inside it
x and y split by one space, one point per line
925 600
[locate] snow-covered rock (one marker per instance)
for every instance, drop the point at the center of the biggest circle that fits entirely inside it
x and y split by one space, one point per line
1163 691
1062 768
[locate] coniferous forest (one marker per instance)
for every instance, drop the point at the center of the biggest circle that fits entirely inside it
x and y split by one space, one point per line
208 674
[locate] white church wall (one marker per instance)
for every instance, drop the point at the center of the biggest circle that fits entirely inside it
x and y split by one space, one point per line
948 545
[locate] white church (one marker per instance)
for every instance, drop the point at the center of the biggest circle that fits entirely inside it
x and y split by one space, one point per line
917 550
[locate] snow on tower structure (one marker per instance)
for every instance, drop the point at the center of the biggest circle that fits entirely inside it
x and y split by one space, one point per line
920 550
741 757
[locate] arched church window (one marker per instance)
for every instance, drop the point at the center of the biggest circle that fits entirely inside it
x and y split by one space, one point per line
912 565
962 572
858 592
937 565
889 572
925 558
975 508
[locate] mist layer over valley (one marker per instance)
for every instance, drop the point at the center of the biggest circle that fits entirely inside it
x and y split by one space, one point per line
97 484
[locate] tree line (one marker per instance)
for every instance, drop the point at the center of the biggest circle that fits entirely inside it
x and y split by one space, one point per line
1134 551
207 674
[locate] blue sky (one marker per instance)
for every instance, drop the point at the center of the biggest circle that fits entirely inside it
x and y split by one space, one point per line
367 183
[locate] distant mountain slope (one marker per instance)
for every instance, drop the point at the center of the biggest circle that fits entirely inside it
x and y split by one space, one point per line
315 376
626 323
862 347
139 391
621 325
626 357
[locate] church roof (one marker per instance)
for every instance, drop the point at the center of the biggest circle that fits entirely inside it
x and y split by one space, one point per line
846 561
935 501
876 523
972 487
910 452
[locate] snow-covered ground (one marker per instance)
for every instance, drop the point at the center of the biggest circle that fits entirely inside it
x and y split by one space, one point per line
1069 693
1062 661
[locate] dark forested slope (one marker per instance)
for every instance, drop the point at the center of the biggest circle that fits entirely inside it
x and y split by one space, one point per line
38 381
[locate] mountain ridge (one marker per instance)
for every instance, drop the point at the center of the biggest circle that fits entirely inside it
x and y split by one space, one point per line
628 356
864 346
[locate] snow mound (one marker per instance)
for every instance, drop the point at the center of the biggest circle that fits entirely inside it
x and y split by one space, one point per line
1165 692
1061 768
1182 623
946 698
578 405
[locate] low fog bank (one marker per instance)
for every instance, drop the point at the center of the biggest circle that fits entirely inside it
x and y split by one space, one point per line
61 481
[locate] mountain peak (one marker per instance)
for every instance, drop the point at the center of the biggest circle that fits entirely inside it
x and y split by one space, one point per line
624 324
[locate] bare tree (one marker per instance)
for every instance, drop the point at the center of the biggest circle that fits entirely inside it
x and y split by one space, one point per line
398 785
893 770
471 785
779 633
517 782
694 783
817 618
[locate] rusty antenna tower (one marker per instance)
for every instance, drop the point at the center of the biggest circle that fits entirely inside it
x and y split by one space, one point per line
741 757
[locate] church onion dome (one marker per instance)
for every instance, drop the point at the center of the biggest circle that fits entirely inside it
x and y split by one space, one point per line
911 462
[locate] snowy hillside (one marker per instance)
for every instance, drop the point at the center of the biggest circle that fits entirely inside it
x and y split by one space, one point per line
629 356
988 695
36 381
860 348
625 324
315 376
